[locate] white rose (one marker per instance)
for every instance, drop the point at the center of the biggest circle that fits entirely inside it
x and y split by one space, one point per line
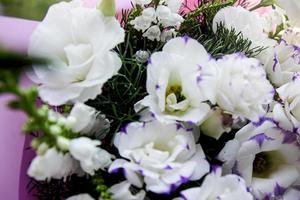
215 186
52 164
292 36
282 63
159 155
292 8
250 24
121 191
243 88
290 94
91 156
80 197
78 42
265 155
179 79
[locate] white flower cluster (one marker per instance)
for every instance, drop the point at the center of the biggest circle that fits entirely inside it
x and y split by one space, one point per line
152 19
82 153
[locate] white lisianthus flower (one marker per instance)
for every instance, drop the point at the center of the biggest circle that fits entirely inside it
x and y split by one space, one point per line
282 63
250 24
290 95
159 155
265 155
243 88
215 186
292 194
52 164
179 79
78 42
292 36
121 191
91 156
81 197
292 8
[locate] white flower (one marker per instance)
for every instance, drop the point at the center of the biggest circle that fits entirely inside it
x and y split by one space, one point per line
167 35
273 19
250 24
90 156
282 63
153 33
87 120
78 42
166 18
121 191
243 88
292 36
290 94
141 23
159 155
216 123
179 79
80 197
141 2
174 5
291 194
215 186
265 155
292 8
52 164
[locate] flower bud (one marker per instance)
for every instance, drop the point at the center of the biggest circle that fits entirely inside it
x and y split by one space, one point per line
107 7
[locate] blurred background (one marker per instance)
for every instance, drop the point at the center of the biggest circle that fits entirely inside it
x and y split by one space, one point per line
28 9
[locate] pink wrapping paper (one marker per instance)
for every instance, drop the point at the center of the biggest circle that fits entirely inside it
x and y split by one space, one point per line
15 158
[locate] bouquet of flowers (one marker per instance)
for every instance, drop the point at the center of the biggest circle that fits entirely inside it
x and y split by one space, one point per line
166 100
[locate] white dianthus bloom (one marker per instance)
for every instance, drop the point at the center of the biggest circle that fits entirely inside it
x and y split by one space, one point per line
215 186
282 63
90 156
179 79
292 8
290 94
153 33
159 155
292 36
81 197
266 155
121 191
78 43
250 24
243 88
52 164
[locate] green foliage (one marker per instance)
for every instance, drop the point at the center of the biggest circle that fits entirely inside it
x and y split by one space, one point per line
199 23
29 9
25 99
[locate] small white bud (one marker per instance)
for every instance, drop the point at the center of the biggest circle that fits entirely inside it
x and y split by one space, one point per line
63 143
42 148
55 129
